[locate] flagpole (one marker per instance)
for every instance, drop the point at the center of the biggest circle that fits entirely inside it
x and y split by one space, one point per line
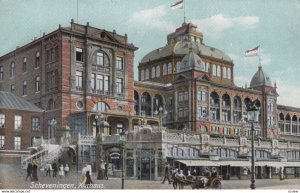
259 57
183 11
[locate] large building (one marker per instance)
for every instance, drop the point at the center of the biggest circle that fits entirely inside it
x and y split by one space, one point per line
185 108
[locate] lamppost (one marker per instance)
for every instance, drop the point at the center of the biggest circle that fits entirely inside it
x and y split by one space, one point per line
184 130
252 116
160 112
100 124
122 140
53 126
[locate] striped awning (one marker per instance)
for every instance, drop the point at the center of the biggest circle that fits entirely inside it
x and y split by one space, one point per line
292 164
197 162
270 164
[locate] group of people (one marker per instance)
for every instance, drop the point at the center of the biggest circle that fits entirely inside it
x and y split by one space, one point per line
170 175
62 170
102 170
32 169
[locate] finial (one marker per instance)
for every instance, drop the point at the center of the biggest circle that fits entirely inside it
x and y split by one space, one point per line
275 84
72 20
87 23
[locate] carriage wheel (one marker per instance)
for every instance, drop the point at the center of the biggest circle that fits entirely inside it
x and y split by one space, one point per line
216 184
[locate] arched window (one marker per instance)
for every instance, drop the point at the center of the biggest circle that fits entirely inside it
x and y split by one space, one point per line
142 75
37 59
170 69
157 71
218 71
50 104
101 107
214 70
165 69
24 87
288 123
136 103
147 74
224 72
157 102
153 72
37 84
237 109
146 104
24 66
101 59
12 69
226 104
214 107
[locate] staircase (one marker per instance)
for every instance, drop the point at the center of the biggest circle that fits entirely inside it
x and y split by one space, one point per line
49 153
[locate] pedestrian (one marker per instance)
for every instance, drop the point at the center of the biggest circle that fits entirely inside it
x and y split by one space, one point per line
194 173
54 167
48 169
87 179
83 172
61 172
174 172
29 171
167 174
34 170
101 169
106 171
66 169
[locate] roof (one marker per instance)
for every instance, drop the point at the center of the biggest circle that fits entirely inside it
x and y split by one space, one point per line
260 78
191 61
11 101
182 48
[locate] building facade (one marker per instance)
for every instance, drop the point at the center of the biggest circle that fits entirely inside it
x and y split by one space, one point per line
20 127
185 108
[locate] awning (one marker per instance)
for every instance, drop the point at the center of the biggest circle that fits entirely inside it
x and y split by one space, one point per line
234 163
197 162
269 164
292 164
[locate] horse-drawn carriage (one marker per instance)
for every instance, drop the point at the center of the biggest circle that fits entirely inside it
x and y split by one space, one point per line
198 182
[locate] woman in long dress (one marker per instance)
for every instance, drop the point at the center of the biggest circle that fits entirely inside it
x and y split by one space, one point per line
61 172
34 170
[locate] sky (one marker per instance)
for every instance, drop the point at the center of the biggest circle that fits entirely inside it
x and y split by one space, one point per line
232 26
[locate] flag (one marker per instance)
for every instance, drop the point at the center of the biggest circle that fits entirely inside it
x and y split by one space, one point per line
177 5
252 52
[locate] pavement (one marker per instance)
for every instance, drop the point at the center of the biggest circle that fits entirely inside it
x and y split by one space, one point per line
13 177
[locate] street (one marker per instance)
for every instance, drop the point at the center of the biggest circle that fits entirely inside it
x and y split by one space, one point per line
12 177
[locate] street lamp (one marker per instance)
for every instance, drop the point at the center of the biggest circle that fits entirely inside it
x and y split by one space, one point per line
100 123
252 116
122 140
160 112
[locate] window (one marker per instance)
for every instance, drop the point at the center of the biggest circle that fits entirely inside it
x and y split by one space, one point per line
99 82
2 120
37 84
153 72
37 59
206 67
157 71
13 89
1 73
120 128
101 107
17 143
119 85
201 113
120 63
100 59
18 122
218 71
24 87
35 123
79 55
106 83
170 70
56 53
24 66
228 73
12 69
178 66
142 75
214 70
226 131
2 141
224 72
93 81
165 70
201 96
78 83
147 74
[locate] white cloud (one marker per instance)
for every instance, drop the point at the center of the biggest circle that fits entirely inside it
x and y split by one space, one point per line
152 18
214 26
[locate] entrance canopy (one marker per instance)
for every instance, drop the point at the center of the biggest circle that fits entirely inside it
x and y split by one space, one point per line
270 164
197 162
234 163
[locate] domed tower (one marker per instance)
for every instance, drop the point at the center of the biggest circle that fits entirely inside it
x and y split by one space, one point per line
262 82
